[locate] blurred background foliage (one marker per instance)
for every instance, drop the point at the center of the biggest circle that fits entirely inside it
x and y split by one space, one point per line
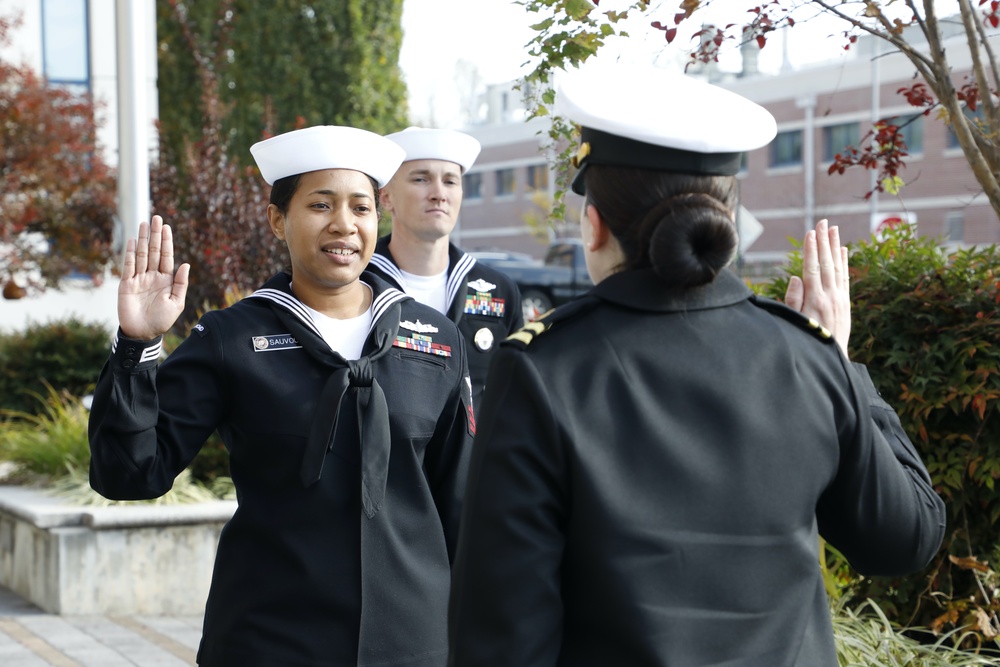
277 66
233 72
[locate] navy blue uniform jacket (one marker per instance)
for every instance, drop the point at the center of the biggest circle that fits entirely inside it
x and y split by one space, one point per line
651 477
483 302
303 575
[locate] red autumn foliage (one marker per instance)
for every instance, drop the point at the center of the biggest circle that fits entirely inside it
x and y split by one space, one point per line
57 196
883 148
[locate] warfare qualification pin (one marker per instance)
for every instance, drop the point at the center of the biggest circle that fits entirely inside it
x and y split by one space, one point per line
484 339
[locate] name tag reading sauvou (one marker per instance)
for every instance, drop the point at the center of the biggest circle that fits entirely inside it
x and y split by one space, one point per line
274 342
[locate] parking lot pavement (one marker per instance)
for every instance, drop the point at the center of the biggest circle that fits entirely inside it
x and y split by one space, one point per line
30 637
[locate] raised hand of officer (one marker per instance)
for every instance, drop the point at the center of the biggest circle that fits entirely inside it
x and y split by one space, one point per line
824 290
150 294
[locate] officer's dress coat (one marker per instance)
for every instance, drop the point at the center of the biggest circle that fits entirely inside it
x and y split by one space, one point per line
310 570
483 302
650 479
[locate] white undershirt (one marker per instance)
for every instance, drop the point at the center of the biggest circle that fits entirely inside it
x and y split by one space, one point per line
428 290
344 336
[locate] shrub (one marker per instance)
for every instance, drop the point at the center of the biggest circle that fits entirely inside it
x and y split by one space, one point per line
52 448
66 355
865 637
43 445
74 487
212 461
926 323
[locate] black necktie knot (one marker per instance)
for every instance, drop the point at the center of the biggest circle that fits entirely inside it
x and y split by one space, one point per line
360 372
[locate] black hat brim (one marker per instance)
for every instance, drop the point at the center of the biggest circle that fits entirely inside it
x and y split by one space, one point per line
616 150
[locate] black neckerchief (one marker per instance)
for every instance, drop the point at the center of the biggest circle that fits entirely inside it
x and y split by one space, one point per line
371 410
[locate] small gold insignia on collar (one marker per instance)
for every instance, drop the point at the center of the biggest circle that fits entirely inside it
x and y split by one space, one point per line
582 152
821 331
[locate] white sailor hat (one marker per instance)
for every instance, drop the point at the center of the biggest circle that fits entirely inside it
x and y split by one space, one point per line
654 118
428 144
327 147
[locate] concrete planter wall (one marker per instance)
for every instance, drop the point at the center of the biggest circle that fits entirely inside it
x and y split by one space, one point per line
132 559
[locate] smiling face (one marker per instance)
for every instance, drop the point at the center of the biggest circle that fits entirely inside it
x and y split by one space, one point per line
330 227
424 198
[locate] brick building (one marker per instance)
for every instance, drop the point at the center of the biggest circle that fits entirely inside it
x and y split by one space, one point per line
507 188
820 109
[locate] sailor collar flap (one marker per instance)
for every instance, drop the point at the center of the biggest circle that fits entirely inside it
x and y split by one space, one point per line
459 266
370 407
277 290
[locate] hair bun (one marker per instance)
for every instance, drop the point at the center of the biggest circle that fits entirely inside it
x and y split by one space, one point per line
693 238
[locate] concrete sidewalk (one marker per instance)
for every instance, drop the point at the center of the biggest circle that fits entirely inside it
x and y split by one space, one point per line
30 637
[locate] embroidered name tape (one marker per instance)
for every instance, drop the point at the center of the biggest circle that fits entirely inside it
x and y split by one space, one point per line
274 342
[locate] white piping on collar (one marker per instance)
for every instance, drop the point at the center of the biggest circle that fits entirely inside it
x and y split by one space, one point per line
383 301
458 275
387 265
289 303
380 304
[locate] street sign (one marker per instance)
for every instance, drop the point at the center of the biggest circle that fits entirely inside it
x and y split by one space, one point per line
748 228
880 222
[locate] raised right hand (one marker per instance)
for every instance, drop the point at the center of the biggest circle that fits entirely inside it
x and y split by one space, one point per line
824 290
150 294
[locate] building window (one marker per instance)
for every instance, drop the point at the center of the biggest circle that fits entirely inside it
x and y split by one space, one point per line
66 44
472 186
912 129
976 117
786 149
538 177
954 226
505 182
838 137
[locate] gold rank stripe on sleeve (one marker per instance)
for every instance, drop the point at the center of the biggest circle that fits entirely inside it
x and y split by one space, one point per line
422 343
563 313
528 332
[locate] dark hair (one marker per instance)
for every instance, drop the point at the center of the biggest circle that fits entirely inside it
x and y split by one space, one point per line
680 225
284 189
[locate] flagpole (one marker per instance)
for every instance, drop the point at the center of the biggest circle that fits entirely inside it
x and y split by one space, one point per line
132 20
